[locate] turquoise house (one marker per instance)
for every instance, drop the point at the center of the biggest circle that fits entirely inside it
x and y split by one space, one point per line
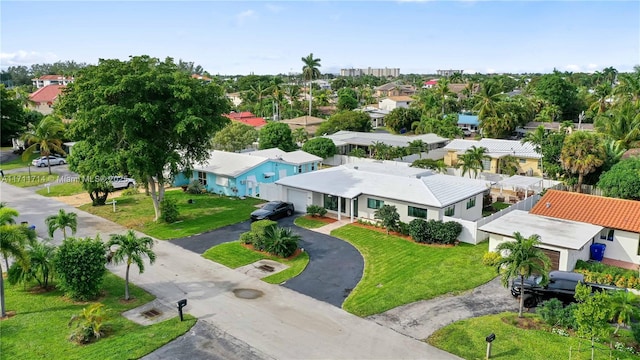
240 174
469 122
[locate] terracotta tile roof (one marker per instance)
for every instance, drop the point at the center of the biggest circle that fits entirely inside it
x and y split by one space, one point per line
255 122
53 77
46 94
401 98
598 210
240 115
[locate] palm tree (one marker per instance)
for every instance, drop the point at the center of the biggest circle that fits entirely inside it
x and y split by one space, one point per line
310 72
300 135
443 91
39 268
601 93
417 147
625 307
131 249
7 216
622 124
488 96
62 221
582 152
521 259
47 136
472 160
435 165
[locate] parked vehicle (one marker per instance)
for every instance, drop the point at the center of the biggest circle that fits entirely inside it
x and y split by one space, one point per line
46 160
121 182
561 286
273 210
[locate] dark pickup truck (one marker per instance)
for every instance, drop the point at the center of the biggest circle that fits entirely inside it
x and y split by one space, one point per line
561 286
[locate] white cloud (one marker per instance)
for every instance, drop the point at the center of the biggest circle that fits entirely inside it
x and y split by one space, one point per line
243 16
572 67
22 57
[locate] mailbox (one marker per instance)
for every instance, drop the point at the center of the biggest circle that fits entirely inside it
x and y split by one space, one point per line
181 303
491 337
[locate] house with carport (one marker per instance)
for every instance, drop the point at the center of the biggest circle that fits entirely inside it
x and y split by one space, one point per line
569 223
241 174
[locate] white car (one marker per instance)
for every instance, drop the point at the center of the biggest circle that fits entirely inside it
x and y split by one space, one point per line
121 182
53 160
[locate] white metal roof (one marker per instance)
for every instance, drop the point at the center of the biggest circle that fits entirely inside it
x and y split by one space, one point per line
555 232
435 190
230 164
496 148
363 138
519 181
293 157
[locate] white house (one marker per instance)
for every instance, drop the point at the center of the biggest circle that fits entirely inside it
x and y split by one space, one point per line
393 102
46 80
346 141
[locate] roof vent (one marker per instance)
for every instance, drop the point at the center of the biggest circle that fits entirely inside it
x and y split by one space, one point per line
355 168
548 205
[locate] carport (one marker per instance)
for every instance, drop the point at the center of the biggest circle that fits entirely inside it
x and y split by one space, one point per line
520 186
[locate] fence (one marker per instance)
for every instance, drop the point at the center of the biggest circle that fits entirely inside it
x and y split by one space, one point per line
524 205
586 189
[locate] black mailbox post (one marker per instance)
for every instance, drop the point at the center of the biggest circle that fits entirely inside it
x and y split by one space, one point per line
489 340
491 337
182 303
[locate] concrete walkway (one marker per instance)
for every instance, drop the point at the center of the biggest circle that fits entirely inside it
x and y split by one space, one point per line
327 229
280 323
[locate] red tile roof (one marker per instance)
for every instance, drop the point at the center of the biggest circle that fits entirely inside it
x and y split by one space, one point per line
46 94
431 82
255 122
53 77
598 210
246 117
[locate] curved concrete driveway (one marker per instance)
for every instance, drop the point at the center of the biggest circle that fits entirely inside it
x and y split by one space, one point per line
334 269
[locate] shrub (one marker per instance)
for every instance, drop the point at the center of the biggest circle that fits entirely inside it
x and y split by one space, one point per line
247 238
449 232
388 215
169 210
88 324
280 241
130 191
551 311
635 330
79 264
316 210
418 230
403 228
195 187
491 258
258 230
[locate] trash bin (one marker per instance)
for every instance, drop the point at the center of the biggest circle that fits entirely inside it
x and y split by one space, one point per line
597 251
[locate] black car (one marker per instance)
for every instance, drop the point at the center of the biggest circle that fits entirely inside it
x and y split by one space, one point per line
561 286
273 210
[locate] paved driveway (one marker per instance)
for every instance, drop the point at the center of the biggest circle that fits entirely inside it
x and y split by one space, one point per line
334 269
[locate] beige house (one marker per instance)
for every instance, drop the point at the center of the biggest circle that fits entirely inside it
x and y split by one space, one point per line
394 89
394 102
529 161
43 99
309 123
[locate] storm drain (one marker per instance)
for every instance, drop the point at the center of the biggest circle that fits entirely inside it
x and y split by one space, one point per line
149 314
247 293
267 268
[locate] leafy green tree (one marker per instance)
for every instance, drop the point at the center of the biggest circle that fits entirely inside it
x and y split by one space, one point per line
522 258
310 72
582 153
625 306
558 91
472 160
300 135
346 102
358 152
322 147
235 137
276 134
131 249
79 264
447 127
388 215
435 165
152 116
509 165
46 137
61 221
623 180
12 114
401 118
345 120
593 312
96 168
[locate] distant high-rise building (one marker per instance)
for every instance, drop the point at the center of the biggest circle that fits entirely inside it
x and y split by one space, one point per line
386 72
449 72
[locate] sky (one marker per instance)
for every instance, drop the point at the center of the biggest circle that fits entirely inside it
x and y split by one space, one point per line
271 37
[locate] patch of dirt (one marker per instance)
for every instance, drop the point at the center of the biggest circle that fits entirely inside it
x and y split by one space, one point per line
524 323
84 198
295 254
41 290
320 218
8 315
126 302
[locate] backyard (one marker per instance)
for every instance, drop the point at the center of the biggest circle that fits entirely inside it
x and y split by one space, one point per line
205 212
399 271
39 328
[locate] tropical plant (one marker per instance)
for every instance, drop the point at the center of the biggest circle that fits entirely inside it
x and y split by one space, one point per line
316 210
79 265
62 221
310 72
488 96
626 306
388 215
509 165
435 165
170 212
88 324
592 313
40 266
358 152
622 124
472 160
131 249
418 147
522 258
300 135
581 154
195 187
281 241
47 137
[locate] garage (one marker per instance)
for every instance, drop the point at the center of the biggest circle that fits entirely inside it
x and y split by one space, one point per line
554 256
299 199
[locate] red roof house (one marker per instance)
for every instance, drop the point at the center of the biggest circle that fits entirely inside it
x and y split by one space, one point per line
44 98
246 117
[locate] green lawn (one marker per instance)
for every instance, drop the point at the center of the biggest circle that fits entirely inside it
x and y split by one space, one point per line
207 212
17 163
39 329
398 271
497 206
26 179
65 189
466 339
309 223
234 255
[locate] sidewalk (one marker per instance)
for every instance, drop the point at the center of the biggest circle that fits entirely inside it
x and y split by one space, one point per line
280 323
327 229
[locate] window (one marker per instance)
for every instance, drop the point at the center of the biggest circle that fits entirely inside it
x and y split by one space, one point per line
522 161
610 235
486 164
450 211
417 212
202 178
330 202
471 203
374 203
299 169
606 234
222 181
313 167
539 163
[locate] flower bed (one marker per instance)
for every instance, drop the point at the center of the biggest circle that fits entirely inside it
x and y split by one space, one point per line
609 275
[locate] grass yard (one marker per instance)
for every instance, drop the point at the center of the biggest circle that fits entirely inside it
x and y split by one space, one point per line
466 339
234 255
65 189
398 271
24 179
18 163
39 329
309 223
207 212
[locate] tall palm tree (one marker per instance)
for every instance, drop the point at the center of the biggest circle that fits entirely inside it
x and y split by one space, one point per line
488 96
601 93
131 249
61 221
310 72
443 91
47 136
521 259
582 153
472 160
629 86
622 124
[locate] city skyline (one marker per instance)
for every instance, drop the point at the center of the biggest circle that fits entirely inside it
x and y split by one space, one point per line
239 38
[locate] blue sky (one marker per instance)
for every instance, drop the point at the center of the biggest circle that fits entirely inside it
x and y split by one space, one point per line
269 37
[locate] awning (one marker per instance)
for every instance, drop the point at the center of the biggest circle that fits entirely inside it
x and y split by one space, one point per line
269 174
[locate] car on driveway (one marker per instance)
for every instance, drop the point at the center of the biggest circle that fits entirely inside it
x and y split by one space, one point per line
121 182
273 210
46 160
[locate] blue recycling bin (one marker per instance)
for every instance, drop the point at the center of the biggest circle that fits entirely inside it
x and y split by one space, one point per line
597 251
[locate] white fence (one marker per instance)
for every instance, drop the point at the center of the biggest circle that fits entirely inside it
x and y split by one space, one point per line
344 159
524 205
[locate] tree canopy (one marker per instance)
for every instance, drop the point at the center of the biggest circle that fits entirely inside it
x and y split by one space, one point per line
151 116
345 120
320 146
12 114
277 135
235 137
623 180
402 118
582 153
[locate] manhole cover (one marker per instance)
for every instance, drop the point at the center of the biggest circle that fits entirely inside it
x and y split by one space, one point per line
151 313
267 268
247 293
